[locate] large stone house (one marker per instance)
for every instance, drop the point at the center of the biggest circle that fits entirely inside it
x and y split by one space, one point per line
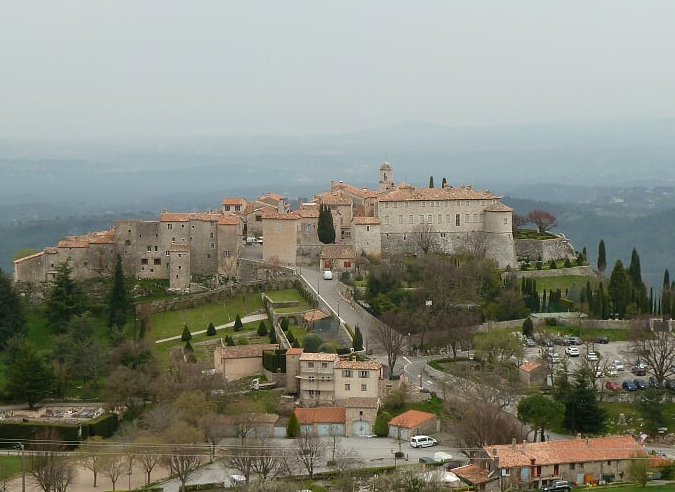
531 465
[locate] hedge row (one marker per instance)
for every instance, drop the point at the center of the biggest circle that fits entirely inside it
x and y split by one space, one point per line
275 361
11 432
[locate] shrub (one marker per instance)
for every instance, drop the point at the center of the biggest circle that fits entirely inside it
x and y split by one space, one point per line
262 329
381 427
284 324
528 327
290 337
311 342
553 265
211 330
238 325
188 347
327 348
229 341
242 340
273 336
293 427
186 336
568 263
539 265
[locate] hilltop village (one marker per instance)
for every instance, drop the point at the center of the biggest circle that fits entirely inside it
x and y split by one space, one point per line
393 218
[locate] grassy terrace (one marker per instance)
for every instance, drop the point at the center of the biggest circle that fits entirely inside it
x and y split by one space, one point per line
563 282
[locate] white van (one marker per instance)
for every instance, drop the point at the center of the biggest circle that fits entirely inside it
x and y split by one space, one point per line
422 442
328 275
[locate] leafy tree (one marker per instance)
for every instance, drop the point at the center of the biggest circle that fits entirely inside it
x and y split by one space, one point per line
211 330
12 317
542 219
238 325
327 348
639 468
602 256
540 411
381 427
293 427
325 226
64 300
357 341
311 342
118 303
186 336
93 455
28 375
262 329
528 327
619 289
431 181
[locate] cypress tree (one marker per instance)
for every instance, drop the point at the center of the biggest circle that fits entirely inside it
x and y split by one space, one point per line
444 182
665 295
118 303
431 181
619 289
325 226
273 336
238 325
211 330
528 327
186 336
188 347
602 256
262 329
284 324
293 427
357 342
141 331
12 316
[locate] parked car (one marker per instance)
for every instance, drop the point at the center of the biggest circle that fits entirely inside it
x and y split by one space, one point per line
640 383
601 339
547 342
528 342
422 442
653 382
592 356
639 369
629 385
612 385
557 486
611 371
669 384
572 351
427 459
553 357
328 275
618 365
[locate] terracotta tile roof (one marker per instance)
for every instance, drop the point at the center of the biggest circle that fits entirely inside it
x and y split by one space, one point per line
356 402
51 250
473 474
102 237
332 198
234 201
410 193
319 357
230 220
29 257
73 242
530 366
272 196
321 415
366 220
188 216
370 365
567 451
499 207
308 213
411 418
338 251
303 213
314 315
354 190
245 351
180 248
295 351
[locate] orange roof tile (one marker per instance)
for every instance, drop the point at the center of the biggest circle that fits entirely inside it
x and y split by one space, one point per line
231 220
332 198
234 201
354 190
472 473
34 255
273 196
73 242
319 357
530 366
314 315
356 402
320 415
51 250
406 192
366 220
245 351
567 451
499 207
411 418
338 251
295 351
359 365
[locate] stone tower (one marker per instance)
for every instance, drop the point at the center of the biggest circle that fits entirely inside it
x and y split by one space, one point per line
386 177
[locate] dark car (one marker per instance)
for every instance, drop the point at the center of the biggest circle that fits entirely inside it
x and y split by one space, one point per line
669 384
546 342
557 485
427 459
601 339
640 383
639 370
653 382
629 385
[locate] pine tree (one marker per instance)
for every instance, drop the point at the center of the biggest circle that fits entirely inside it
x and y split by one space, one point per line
602 256
238 325
64 300
262 329
28 375
431 181
12 317
186 336
582 409
118 303
211 330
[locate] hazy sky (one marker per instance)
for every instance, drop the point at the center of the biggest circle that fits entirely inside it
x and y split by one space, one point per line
108 68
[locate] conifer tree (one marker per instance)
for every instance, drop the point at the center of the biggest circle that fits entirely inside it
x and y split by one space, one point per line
284 324
141 331
211 330
528 327
238 325
665 295
188 346
262 329
444 182
12 316
229 341
118 302
64 300
619 289
186 336
325 227
293 427
602 256
273 336
431 181
357 342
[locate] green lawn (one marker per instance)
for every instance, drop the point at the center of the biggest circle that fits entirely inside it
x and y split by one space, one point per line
285 295
298 333
169 324
562 282
10 465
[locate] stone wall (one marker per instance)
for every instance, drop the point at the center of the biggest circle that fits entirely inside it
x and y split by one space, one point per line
546 249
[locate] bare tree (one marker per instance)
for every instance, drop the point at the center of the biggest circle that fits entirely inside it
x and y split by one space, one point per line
268 460
425 237
214 427
308 450
185 455
655 349
240 458
475 245
518 221
391 341
92 455
482 424
48 468
146 449
113 465
542 219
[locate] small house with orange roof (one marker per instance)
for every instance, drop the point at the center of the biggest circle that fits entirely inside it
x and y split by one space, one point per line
413 422
533 373
322 421
529 465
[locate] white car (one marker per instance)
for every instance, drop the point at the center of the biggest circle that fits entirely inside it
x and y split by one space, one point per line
328 275
422 442
618 365
572 351
592 356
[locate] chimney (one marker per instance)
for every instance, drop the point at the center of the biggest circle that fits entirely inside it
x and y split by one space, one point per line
579 435
524 444
513 444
